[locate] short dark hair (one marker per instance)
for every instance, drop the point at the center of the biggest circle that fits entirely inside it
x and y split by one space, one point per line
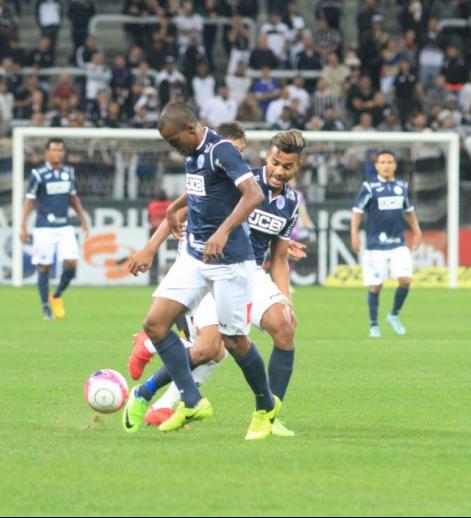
54 140
386 152
178 115
291 141
231 130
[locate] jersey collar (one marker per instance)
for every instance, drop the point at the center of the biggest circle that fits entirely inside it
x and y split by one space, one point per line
203 141
382 180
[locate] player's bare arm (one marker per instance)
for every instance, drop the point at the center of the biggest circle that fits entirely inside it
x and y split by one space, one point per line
77 206
252 196
413 223
27 210
280 271
141 261
355 232
175 218
296 251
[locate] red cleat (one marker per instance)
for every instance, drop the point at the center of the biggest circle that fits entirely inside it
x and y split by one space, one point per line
156 416
140 356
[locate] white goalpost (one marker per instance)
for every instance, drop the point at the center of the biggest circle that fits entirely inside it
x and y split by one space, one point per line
447 142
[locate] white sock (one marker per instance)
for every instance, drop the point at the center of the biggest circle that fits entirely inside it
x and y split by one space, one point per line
151 348
171 396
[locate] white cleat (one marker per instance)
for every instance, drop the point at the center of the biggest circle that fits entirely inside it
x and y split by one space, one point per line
374 332
396 324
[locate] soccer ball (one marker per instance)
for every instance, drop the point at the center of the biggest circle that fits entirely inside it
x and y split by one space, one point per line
106 391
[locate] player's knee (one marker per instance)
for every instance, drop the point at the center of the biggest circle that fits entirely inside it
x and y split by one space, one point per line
283 336
43 268
405 282
154 330
210 352
71 266
375 289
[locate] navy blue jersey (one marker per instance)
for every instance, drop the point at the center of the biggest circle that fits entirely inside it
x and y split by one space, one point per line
52 190
384 202
274 218
213 172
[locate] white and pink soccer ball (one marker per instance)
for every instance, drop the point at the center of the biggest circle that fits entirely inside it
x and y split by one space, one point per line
106 391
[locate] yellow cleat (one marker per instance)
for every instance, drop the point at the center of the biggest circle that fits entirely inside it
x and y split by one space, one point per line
57 306
184 415
262 422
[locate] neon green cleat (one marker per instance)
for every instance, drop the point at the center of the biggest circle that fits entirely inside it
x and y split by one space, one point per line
134 411
262 422
184 415
279 428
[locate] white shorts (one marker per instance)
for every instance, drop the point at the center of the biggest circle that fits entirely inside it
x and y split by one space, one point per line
189 280
378 263
266 293
49 241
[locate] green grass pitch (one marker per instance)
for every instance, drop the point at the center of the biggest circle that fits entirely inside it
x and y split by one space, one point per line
383 426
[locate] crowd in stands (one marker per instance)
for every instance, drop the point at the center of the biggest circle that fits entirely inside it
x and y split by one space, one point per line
418 77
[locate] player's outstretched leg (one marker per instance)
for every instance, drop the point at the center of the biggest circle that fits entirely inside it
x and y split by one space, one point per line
43 288
56 301
134 411
373 305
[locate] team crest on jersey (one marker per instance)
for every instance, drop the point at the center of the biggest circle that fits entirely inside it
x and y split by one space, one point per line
266 222
280 203
200 162
65 176
195 185
398 190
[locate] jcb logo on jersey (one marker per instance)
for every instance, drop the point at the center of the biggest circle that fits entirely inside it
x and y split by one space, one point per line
266 222
391 202
58 187
195 185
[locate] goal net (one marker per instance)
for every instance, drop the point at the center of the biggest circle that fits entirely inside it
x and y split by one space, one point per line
119 171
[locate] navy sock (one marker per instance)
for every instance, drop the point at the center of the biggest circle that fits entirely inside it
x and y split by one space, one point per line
373 304
399 298
43 287
159 380
66 277
280 369
254 371
172 352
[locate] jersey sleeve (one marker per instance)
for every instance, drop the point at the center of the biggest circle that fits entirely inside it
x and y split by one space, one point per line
226 159
408 205
362 199
285 234
33 185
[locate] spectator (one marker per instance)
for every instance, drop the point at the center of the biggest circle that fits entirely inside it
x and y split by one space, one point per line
135 57
7 103
285 121
99 76
189 25
249 110
390 59
275 110
16 52
298 92
454 69
170 81
203 85
138 34
262 56
238 84
326 39
121 77
142 75
465 95
80 12
331 121
409 93
277 35
371 48
64 87
294 22
156 54
193 55
414 16
330 10
436 94
114 116
239 41
8 26
334 74
219 109
430 58
83 54
308 59
365 98
324 99
409 47
49 19
390 122
9 74
150 102
365 123
265 89
97 109
24 98
451 109
365 17
211 11
42 56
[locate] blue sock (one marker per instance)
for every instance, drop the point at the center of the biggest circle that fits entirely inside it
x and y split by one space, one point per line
43 287
399 298
373 304
159 380
66 277
280 369
254 371
172 352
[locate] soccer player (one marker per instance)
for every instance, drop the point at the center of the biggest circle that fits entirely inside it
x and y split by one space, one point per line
387 202
51 190
272 311
221 194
